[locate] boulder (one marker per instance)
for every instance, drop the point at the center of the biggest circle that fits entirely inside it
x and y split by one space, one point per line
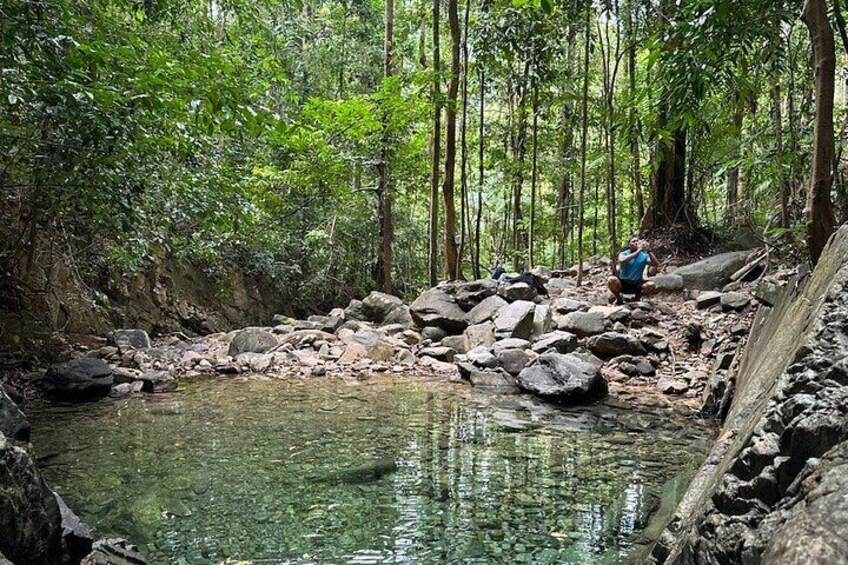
558 285
766 292
137 339
707 299
114 551
542 320
561 342
433 333
377 348
30 518
13 423
567 305
157 381
455 342
734 301
492 380
435 307
515 320
510 343
441 353
517 291
78 380
611 344
582 324
482 357
563 378
668 282
468 295
252 340
79 537
541 272
612 313
377 305
712 272
479 334
485 310
513 360
355 311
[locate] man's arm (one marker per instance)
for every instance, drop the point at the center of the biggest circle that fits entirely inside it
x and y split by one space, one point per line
652 259
626 258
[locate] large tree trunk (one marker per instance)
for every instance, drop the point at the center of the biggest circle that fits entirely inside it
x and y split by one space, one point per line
451 255
465 221
732 207
386 188
819 210
435 157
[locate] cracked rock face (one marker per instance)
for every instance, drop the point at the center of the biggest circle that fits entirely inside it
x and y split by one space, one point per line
775 488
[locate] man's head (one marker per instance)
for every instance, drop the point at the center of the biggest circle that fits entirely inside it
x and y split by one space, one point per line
633 244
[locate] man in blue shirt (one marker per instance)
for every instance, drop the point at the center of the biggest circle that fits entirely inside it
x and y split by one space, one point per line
631 270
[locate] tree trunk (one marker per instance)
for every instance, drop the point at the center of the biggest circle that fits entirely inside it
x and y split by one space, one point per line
819 211
519 151
778 151
451 256
585 132
465 221
636 166
732 212
481 165
433 259
534 177
386 188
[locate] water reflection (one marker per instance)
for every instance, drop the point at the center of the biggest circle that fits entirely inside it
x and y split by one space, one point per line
381 472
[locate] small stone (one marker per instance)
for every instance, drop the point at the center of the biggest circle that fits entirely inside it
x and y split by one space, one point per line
707 299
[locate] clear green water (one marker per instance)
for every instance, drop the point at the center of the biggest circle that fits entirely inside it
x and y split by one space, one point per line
384 471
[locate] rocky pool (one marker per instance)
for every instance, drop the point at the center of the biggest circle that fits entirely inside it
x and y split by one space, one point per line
386 470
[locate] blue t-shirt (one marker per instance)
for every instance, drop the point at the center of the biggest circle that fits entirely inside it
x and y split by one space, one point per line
633 269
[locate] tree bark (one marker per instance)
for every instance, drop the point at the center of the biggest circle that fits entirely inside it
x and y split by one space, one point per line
585 132
732 207
433 258
386 188
778 151
465 216
481 165
636 165
451 255
819 211
534 177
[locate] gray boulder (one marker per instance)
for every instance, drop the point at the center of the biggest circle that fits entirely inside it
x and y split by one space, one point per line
469 294
712 272
158 381
513 360
482 357
13 423
561 342
541 272
78 380
668 282
30 518
542 320
491 380
435 307
433 333
377 305
78 536
567 305
515 320
564 379
486 310
611 344
582 324
517 291
558 285
707 299
114 551
455 342
441 353
510 343
734 301
252 340
355 311
137 339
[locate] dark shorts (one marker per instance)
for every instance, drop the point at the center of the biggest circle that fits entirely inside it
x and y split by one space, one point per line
631 287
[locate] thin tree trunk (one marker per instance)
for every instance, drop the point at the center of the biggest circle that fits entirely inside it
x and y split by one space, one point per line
819 216
585 132
477 271
433 258
778 151
386 188
636 166
519 150
451 258
732 212
534 175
